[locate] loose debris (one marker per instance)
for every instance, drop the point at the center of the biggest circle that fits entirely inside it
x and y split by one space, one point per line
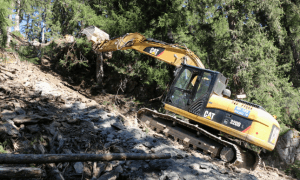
40 115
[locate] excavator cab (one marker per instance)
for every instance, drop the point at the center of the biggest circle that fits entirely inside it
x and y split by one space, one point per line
192 88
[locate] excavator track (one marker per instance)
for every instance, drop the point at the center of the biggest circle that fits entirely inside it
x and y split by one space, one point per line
190 135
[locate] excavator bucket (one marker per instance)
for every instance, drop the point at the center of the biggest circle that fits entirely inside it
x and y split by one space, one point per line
95 35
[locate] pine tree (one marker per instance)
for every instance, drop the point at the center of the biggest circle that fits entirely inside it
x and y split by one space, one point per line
5 22
291 47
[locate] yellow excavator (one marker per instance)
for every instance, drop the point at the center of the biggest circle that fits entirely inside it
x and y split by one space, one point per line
212 122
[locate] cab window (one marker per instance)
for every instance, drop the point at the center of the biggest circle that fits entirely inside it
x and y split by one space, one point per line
203 85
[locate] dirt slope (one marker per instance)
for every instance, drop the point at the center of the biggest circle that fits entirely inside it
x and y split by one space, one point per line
46 115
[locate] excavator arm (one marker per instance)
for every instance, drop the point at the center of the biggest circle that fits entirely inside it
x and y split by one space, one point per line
173 54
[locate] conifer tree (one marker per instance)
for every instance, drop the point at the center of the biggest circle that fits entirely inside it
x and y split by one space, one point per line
5 22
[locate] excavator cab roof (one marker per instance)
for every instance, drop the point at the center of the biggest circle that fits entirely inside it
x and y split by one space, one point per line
220 81
193 84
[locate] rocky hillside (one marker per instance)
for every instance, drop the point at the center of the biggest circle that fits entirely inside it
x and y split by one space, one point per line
41 114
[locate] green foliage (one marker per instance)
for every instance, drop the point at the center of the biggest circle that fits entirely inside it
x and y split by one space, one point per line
33 142
105 103
17 33
5 10
283 129
148 70
28 53
2 147
294 169
76 55
2 150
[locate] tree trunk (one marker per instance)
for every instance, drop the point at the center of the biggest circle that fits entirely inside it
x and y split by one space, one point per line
27 27
17 17
43 26
55 158
99 69
8 31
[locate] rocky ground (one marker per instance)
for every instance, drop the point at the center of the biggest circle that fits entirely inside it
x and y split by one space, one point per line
42 114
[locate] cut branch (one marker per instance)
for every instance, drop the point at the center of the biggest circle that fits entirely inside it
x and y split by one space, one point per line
38 44
20 172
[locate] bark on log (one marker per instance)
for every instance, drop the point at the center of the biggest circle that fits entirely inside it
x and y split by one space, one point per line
20 172
54 158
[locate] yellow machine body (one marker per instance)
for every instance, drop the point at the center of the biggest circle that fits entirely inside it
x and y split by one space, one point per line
261 132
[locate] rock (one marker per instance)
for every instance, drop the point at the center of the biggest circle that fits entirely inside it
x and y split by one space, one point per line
112 175
288 146
223 171
67 151
160 164
41 149
7 130
18 109
33 128
118 126
202 166
86 170
101 166
6 114
117 149
194 166
78 166
170 176
248 177
119 169
237 170
110 137
134 166
19 118
109 167
146 166
60 144
148 144
179 156
298 155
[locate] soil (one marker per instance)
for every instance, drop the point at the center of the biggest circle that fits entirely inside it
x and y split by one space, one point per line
42 112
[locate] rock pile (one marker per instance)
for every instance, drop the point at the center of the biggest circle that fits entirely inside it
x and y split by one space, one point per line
38 116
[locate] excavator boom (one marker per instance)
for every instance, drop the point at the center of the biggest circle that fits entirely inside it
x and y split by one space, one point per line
173 54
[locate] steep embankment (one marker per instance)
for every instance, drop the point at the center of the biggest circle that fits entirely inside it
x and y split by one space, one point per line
45 115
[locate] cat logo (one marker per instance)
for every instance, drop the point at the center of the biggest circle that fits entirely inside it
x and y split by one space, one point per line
209 115
154 51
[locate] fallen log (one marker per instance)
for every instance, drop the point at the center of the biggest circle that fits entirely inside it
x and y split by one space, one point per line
54 158
20 172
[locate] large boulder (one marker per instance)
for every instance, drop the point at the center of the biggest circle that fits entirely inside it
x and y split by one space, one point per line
288 147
